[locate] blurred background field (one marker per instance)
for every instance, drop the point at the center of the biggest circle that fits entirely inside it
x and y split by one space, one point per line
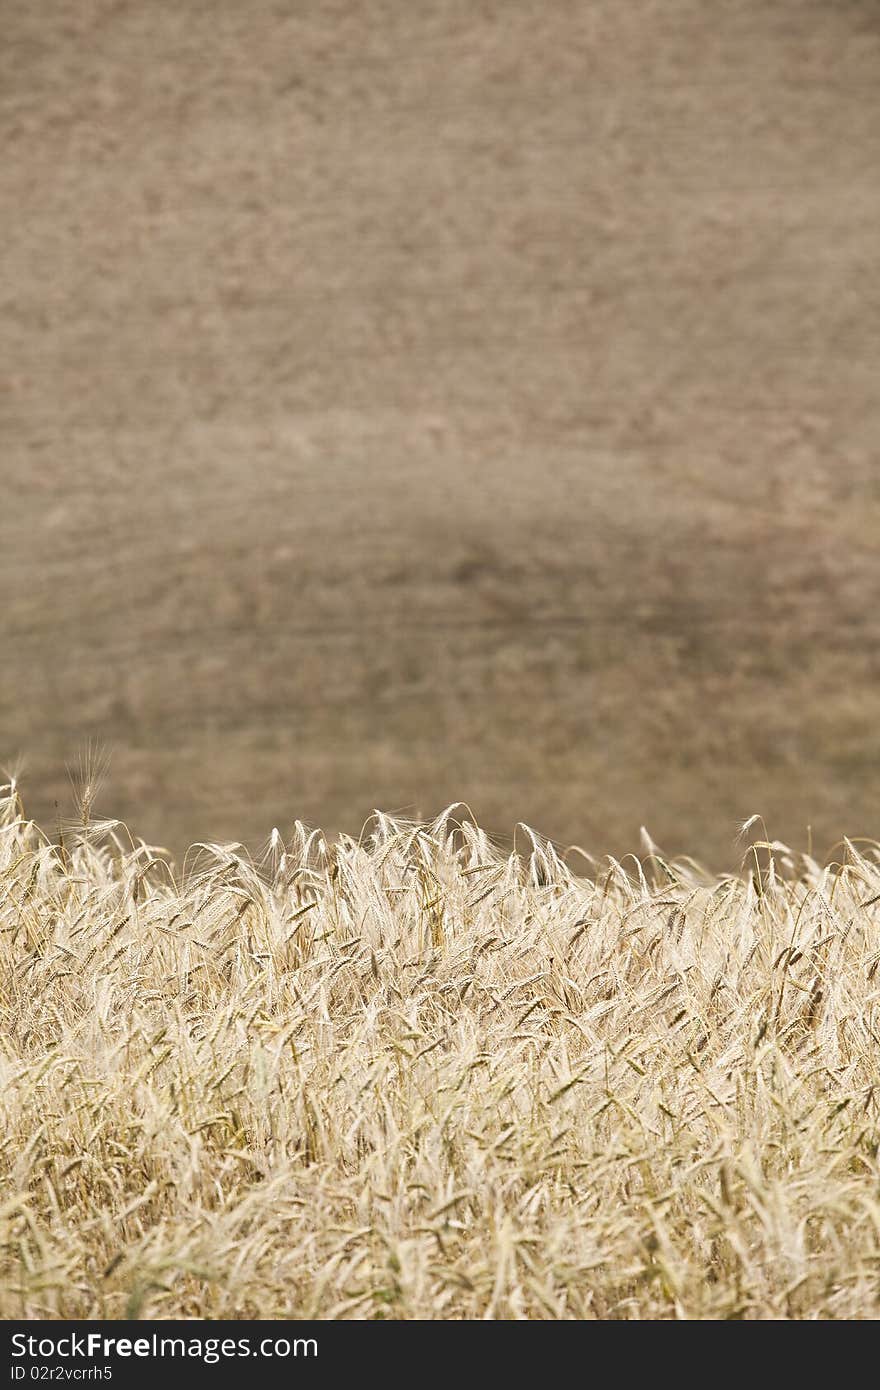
404 403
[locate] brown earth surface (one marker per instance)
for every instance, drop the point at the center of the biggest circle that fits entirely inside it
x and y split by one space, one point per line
408 402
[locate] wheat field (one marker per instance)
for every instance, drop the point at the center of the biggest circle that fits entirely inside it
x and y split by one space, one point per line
416 1076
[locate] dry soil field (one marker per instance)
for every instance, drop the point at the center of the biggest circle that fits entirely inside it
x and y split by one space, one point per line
410 402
